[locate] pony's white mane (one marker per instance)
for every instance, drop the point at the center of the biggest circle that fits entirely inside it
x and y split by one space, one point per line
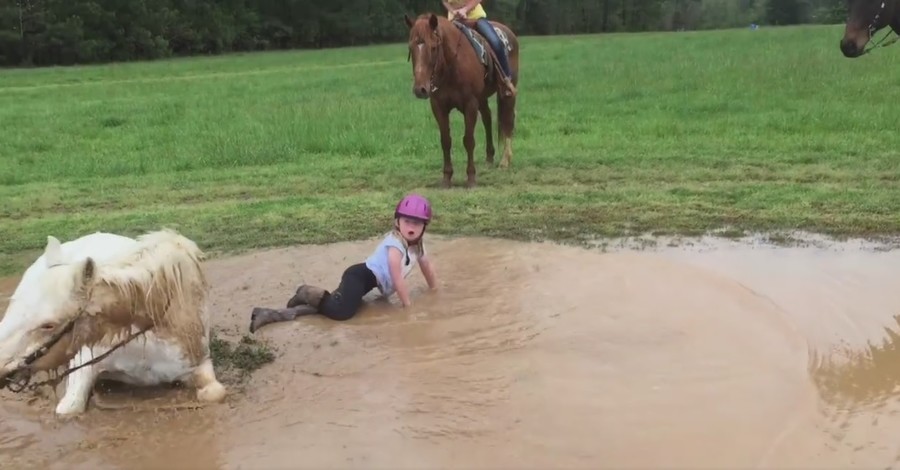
162 283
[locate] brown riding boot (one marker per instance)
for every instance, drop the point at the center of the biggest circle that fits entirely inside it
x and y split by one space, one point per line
263 316
307 295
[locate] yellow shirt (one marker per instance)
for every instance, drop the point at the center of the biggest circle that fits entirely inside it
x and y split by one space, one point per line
474 14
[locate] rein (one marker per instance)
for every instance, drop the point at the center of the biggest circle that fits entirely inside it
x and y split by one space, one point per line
871 29
22 383
443 61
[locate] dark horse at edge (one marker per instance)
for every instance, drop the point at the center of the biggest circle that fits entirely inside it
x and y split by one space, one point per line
447 70
864 19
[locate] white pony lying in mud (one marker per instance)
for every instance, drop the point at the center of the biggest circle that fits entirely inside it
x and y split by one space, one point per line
81 299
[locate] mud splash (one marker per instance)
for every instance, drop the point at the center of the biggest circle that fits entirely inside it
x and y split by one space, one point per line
533 356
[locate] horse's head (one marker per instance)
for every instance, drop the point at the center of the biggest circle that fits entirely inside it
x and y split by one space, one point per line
864 18
425 51
50 316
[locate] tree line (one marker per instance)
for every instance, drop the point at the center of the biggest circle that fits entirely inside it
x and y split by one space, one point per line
65 32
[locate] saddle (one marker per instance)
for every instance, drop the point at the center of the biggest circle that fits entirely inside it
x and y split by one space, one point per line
483 48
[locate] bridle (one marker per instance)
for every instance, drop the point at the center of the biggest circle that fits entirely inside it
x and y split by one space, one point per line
872 27
437 57
20 379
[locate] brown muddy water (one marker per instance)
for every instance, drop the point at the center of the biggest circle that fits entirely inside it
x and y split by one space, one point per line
717 355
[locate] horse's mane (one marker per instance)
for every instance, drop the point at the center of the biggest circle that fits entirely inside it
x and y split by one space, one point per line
162 283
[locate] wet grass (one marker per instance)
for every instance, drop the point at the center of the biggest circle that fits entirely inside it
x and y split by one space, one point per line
669 133
236 362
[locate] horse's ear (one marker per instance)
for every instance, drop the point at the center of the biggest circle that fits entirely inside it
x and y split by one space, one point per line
433 21
409 22
53 252
85 275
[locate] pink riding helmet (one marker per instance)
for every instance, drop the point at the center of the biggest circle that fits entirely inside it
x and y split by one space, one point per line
415 206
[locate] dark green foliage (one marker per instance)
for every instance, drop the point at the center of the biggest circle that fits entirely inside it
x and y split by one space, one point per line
64 32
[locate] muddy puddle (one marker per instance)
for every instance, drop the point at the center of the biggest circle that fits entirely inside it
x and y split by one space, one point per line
716 355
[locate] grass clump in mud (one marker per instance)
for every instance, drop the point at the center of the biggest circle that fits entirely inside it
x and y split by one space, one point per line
236 362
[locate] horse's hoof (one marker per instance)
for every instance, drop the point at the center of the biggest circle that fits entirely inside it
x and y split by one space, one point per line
212 393
67 409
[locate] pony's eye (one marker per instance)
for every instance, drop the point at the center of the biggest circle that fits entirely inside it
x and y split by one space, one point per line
48 326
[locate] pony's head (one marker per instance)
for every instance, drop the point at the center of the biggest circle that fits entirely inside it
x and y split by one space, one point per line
44 317
63 303
425 51
864 18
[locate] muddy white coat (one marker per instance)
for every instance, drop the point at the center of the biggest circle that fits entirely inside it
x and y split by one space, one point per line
81 281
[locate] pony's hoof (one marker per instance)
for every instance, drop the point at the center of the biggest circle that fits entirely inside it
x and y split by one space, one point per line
212 393
70 409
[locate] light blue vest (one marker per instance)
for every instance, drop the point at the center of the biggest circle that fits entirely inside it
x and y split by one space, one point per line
377 262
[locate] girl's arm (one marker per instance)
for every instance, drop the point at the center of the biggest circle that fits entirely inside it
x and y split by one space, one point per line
395 257
428 271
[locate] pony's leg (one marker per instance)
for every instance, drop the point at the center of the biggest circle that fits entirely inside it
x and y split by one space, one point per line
485 110
471 118
78 384
506 109
209 389
442 116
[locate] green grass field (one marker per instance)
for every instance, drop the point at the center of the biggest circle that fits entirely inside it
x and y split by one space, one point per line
674 133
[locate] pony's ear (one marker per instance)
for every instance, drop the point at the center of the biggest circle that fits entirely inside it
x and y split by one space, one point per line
409 22
85 274
433 21
53 252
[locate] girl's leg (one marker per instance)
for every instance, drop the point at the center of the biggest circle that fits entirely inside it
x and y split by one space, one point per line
262 316
345 301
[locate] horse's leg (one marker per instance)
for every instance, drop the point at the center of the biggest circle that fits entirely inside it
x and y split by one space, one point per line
485 110
506 110
442 116
79 383
471 117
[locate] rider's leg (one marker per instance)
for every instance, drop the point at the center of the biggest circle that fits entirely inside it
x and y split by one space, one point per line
487 30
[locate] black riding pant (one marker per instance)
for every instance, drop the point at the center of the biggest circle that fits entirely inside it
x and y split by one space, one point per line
343 303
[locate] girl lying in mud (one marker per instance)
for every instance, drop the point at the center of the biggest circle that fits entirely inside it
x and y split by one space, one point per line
387 268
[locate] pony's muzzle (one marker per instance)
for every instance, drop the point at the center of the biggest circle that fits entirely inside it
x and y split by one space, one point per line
16 380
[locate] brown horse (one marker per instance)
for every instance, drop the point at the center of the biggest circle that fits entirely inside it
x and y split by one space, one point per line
865 18
448 70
